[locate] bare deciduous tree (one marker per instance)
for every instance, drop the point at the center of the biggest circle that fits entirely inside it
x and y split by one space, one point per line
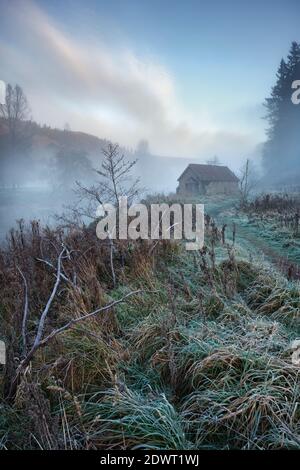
16 142
114 182
248 181
14 110
115 179
213 161
142 148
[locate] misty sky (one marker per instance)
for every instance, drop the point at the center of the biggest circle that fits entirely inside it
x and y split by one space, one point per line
190 76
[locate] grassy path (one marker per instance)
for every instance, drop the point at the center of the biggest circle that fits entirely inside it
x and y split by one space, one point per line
253 240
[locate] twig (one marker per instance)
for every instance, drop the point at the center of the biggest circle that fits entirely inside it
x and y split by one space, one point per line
42 342
88 315
112 261
50 300
65 278
25 312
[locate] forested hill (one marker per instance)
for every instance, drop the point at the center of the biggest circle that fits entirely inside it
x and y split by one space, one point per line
50 155
45 137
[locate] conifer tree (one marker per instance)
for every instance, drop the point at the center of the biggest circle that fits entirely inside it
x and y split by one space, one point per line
282 149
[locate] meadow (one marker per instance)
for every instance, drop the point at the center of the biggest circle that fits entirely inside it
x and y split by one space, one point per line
186 350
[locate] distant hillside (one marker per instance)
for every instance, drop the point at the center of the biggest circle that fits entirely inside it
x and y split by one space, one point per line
45 137
157 173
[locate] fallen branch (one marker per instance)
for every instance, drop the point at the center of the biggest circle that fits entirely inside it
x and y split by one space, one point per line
62 275
39 342
25 312
88 315
50 300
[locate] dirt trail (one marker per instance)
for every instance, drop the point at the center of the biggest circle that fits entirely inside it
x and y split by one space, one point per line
256 245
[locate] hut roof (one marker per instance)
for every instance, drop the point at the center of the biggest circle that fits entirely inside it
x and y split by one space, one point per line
210 173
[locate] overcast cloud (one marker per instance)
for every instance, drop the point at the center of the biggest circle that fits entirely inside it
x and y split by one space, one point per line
108 90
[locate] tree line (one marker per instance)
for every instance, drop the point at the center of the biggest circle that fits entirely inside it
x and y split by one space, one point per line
281 154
